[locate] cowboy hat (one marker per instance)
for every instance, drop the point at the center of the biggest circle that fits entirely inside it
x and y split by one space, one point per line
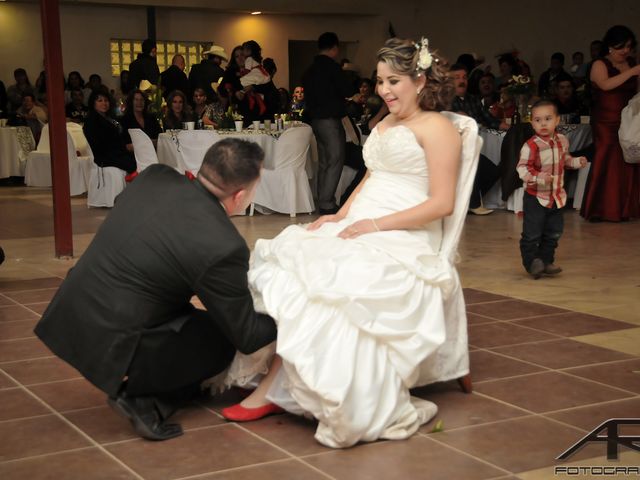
218 51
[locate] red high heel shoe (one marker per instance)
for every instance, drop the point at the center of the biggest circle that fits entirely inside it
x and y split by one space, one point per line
238 413
129 178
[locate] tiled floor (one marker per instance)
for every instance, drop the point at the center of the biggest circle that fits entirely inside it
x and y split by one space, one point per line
550 359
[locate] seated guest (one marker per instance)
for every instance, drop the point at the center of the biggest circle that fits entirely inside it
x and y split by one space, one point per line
137 116
3 100
471 105
178 111
565 98
15 91
121 93
95 83
174 78
578 69
34 116
210 113
284 100
297 98
104 135
76 110
75 81
467 104
545 84
356 105
123 317
508 68
489 98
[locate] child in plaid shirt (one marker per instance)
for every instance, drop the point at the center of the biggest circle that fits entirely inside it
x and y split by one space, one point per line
543 159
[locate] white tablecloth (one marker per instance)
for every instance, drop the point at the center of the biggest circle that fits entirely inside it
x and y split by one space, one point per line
15 145
579 137
169 142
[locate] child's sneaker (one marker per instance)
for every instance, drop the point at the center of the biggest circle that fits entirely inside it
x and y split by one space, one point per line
536 269
551 269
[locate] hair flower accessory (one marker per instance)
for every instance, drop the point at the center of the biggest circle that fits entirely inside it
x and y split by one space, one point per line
424 55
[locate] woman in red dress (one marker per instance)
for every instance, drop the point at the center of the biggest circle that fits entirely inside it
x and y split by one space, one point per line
613 187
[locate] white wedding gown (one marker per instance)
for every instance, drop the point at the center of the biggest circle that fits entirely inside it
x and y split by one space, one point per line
356 317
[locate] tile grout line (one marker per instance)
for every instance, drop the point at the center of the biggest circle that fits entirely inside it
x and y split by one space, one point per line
467 454
78 430
49 454
235 469
316 469
10 362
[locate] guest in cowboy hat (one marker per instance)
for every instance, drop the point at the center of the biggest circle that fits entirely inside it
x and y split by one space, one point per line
208 71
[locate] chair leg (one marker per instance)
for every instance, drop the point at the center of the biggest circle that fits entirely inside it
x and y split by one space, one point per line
465 383
292 214
251 209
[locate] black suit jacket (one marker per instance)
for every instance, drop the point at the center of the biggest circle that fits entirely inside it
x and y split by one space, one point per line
174 79
166 239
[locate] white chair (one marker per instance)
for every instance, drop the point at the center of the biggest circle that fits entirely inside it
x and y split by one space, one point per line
581 183
105 184
142 149
451 360
285 189
346 177
192 145
38 168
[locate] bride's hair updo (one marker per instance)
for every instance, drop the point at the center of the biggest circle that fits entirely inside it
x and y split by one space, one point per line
406 57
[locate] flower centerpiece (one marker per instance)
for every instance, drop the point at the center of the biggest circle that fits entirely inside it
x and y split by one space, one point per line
229 119
520 88
157 103
519 85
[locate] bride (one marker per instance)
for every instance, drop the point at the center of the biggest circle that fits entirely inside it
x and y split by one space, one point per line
358 296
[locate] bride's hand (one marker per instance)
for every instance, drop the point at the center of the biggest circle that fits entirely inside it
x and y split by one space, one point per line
361 227
322 220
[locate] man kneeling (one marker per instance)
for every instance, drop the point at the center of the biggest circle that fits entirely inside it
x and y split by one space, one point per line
123 316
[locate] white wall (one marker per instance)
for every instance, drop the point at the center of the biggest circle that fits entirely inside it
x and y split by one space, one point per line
536 29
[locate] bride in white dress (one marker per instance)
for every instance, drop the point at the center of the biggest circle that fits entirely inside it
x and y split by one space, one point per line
358 296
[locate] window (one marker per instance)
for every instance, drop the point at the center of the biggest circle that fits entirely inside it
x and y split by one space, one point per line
124 51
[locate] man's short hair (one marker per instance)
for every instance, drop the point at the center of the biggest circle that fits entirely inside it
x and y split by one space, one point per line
232 163
458 66
28 94
544 103
558 56
327 41
148 45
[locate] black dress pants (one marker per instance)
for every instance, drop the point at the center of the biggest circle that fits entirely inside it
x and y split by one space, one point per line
541 229
179 356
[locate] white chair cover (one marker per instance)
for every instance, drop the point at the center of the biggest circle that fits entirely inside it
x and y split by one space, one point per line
38 168
193 144
451 360
285 189
105 183
346 177
143 149
581 183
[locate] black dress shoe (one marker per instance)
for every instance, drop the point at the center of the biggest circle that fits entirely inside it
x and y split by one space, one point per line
144 416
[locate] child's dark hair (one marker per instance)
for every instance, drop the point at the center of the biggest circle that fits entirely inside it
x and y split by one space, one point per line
544 103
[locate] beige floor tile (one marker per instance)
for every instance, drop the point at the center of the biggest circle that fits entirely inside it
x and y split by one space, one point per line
626 341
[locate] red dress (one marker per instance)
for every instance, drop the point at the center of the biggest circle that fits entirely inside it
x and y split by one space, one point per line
613 187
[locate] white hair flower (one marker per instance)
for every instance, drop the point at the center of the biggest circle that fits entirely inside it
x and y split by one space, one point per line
424 56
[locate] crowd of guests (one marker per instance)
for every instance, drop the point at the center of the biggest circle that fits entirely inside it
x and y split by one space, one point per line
245 85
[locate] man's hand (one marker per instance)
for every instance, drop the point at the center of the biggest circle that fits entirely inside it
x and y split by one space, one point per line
583 162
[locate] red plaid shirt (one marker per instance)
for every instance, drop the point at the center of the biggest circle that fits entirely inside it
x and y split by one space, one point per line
552 157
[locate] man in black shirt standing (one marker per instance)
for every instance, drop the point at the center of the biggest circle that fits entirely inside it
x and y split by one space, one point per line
174 78
145 67
326 89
